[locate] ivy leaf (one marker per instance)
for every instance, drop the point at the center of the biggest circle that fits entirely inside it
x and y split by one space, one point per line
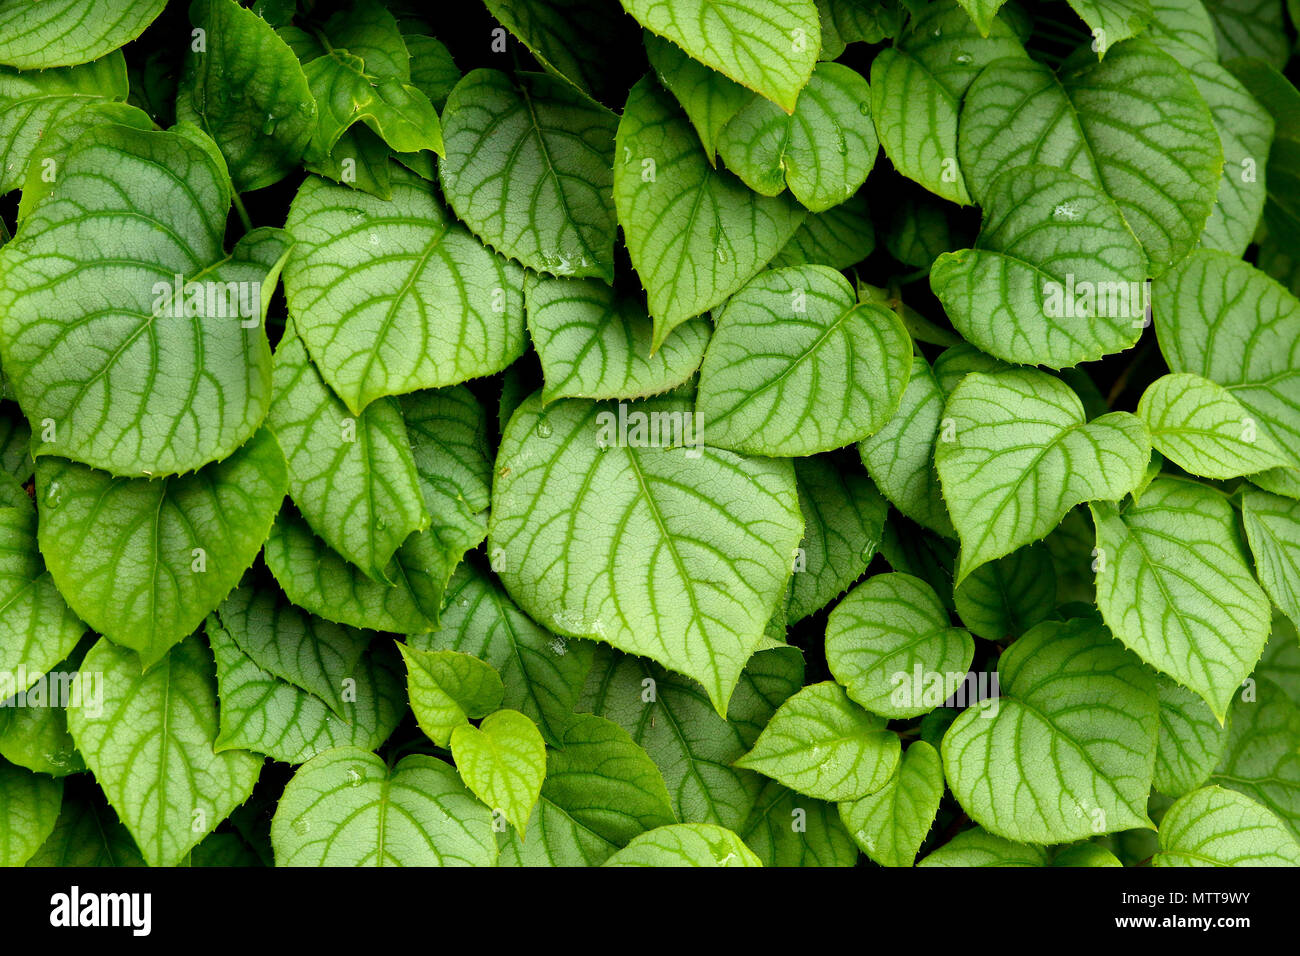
1190 742
1202 428
37 629
1223 319
887 632
35 35
1273 530
353 479
346 807
168 550
446 688
150 747
1261 758
595 343
601 790
695 234
783 372
247 91
713 530
821 744
394 296
503 760
168 369
1055 278
542 674
709 99
1006 597
977 847
823 151
1217 827
1085 706
891 824
686 844
770 47
29 809
1022 456
528 169
1176 588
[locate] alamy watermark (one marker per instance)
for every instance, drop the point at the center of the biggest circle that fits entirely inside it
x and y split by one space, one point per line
179 299
633 428
925 688
1082 299
54 689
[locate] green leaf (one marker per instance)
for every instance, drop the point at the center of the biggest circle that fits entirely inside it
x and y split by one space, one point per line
821 744
1113 20
1176 587
542 674
891 824
394 296
1223 319
889 642
686 844
34 725
87 833
982 12
446 688
124 321
503 760
1273 530
528 169
34 103
345 807
168 550
1250 28
1134 126
1005 598
353 478
769 46
35 34
844 520
682 555
595 343
246 90
37 629
1217 827
433 71
1086 854
1067 751
709 99
839 237
29 809
1262 755
601 790
1190 742
150 747
1055 278
788 829
1022 455
977 847
797 365
695 234
823 151
1202 428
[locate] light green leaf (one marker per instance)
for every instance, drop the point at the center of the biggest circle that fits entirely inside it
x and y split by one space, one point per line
1186 22
120 320
982 12
1202 428
1222 318
150 747
35 34
798 366
394 296
1176 587
446 688
167 551
844 520
686 844
1217 827
821 744
247 91
1086 854
1005 598
1190 742
596 343
823 151
1022 456
769 46
503 760
1055 278
891 824
345 807
788 829
33 723
976 847
353 479
37 629
1262 756
695 234
1113 20
542 674
1273 530
528 169
891 645
678 553
709 99
29 809
840 237
1067 751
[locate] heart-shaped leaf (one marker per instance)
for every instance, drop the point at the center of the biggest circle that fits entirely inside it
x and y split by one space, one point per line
891 824
446 688
1217 827
503 760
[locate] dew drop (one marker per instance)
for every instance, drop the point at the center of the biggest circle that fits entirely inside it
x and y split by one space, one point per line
1065 212
721 254
965 59
301 826
269 124
354 777
373 238
543 428
864 108
54 495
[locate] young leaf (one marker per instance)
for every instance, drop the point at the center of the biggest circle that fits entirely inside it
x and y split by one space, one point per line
36 35
798 366
891 824
167 550
1175 586
446 688
346 807
503 760
1217 827
29 809
1067 751
1273 530
686 844
150 747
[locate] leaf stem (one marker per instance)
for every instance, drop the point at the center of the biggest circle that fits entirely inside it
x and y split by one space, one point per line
243 213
